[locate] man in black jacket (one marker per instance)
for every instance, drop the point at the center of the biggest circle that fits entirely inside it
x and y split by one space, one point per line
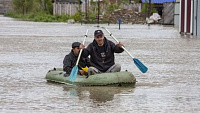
70 60
101 52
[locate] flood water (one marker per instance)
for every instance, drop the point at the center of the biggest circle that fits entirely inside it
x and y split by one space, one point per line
29 49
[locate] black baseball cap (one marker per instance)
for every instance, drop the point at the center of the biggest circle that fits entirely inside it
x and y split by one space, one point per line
76 44
98 32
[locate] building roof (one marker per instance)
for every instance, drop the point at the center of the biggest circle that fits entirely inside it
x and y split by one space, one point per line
158 1
67 1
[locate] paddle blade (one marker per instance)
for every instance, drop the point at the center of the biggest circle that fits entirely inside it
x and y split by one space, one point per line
140 65
73 74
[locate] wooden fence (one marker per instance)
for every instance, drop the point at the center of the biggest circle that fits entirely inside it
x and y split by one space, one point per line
71 8
5 6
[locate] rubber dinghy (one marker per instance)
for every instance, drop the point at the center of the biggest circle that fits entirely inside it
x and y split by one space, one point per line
123 78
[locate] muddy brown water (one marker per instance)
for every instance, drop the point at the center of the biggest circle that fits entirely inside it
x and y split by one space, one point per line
29 49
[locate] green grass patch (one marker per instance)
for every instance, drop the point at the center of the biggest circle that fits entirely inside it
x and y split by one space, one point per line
39 17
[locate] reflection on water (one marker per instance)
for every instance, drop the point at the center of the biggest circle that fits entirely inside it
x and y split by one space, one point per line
29 49
97 94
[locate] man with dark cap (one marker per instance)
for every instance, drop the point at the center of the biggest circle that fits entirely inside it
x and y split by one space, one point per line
101 52
70 60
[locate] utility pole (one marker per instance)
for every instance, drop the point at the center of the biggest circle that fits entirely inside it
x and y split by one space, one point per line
86 10
4 9
98 13
149 11
79 9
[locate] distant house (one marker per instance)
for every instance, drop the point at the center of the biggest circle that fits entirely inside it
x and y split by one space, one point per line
65 1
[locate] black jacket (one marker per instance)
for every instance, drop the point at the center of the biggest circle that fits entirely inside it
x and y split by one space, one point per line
96 60
70 61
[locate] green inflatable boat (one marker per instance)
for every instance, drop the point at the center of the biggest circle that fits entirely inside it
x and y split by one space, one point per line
123 78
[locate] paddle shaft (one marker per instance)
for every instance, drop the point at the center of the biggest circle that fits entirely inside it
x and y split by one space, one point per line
81 49
118 42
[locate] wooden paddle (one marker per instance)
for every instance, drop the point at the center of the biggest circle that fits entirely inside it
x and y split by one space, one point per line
74 71
139 64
